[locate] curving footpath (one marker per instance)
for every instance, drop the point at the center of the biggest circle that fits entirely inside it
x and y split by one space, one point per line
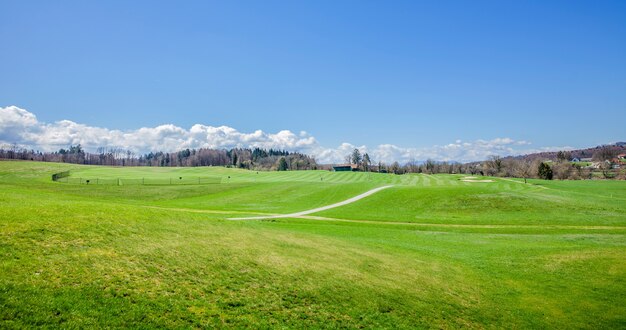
319 209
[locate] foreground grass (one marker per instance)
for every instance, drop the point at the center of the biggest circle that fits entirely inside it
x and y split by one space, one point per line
77 256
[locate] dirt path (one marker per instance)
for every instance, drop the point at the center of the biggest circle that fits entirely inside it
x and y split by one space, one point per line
319 209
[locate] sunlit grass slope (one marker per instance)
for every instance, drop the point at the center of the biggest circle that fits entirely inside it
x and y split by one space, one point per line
503 201
433 251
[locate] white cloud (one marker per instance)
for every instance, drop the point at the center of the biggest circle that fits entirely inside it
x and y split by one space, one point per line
22 127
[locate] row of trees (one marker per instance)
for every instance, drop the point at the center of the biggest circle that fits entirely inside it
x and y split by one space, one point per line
261 159
496 166
254 159
521 167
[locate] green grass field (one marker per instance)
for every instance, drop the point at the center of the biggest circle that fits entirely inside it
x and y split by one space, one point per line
431 252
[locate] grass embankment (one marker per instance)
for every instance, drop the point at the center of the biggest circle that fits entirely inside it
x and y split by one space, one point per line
457 253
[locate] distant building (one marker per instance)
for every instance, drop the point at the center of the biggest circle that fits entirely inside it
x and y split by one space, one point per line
619 161
586 159
345 168
598 165
575 159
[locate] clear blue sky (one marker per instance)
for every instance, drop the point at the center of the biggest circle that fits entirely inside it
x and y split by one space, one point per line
409 73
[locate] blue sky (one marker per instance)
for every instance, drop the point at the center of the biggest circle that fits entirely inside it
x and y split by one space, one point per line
411 74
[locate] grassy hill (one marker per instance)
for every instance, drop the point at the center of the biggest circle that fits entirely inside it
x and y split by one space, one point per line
433 251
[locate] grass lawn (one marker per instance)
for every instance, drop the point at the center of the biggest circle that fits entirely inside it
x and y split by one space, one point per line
433 251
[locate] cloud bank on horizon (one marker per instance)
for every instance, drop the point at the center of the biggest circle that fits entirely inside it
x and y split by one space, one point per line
22 127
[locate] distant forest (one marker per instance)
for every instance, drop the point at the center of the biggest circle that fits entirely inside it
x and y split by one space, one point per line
259 159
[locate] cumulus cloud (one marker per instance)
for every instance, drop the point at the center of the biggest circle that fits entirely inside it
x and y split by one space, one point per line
22 127
458 151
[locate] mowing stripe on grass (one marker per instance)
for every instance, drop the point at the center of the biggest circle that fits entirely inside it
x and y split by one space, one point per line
312 217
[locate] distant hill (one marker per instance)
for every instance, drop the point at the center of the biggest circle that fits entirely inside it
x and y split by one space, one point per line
619 147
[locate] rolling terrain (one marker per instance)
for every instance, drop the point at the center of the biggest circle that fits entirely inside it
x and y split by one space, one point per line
442 251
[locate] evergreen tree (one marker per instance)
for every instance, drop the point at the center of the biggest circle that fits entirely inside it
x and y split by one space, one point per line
544 171
356 157
282 164
366 162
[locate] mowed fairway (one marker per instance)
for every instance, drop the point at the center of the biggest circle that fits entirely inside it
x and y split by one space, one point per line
432 251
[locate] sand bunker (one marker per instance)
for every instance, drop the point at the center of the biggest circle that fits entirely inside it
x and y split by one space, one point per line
477 180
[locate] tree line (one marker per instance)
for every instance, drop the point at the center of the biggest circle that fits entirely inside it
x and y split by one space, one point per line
561 168
253 159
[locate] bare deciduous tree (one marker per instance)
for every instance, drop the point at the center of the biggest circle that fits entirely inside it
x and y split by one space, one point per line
524 169
605 153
